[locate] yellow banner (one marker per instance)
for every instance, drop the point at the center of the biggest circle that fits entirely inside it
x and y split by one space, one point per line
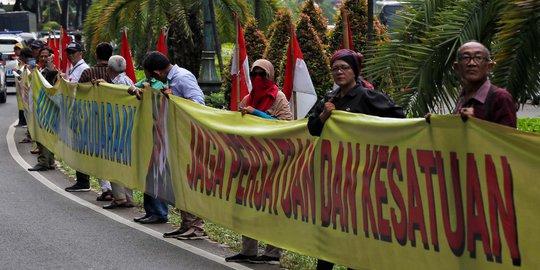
370 193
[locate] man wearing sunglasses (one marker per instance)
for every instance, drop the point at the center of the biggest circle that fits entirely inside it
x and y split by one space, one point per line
480 98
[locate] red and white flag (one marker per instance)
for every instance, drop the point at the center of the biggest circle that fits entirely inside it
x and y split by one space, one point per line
347 42
65 65
161 45
298 86
126 53
241 84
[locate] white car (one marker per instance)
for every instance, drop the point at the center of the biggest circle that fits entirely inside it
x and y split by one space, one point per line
7 42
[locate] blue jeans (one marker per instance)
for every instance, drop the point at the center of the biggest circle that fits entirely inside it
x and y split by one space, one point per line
155 207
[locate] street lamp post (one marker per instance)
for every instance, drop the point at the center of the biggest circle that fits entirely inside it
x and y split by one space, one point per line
208 79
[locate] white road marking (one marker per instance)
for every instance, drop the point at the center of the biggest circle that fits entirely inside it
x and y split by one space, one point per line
38 176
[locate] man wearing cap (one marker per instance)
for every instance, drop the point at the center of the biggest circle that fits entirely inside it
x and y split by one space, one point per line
36 47
75 56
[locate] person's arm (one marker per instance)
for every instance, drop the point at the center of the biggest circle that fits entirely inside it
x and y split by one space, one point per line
281 108
315 124
191 89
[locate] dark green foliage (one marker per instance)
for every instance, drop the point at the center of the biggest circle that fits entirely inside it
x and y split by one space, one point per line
277 44
420 58
185 47
226 84
318 21
314 56
255 40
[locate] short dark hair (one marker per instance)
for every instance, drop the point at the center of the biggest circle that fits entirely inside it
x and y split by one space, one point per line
26 52
155 61
45 48
104 51
77 36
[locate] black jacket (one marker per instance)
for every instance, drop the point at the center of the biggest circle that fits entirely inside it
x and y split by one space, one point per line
358 100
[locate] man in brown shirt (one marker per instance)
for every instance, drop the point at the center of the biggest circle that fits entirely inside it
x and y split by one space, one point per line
480 98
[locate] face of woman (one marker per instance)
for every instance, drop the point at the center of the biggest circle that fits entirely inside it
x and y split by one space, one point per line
343 74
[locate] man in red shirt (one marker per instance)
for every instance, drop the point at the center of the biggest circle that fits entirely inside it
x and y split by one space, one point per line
480 98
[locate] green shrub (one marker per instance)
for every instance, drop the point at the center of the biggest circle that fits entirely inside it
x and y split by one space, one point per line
357 13
318 21
279 40
314 56
255 41
529 124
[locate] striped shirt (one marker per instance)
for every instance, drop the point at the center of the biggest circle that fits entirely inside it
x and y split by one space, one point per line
98 71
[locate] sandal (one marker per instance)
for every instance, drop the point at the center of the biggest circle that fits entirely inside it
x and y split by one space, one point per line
105 196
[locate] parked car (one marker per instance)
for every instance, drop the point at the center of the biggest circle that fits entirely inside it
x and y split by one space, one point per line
3 87
7 42
388 13
9 61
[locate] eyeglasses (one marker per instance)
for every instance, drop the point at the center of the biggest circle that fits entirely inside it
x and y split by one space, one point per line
260 73
337 69
479 59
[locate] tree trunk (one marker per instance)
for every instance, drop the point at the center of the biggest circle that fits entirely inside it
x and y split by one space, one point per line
64 14
184 51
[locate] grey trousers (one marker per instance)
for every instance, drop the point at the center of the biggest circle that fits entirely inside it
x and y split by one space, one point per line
250 248
121 193
191 221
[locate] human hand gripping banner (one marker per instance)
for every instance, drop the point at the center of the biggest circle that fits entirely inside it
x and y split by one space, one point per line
370 193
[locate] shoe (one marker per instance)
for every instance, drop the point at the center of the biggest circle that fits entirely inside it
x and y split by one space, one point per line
175 233
239 258
78 188
35 151
153 220
26 140
192 234
38 167
138 219
114 205
264 259
105 196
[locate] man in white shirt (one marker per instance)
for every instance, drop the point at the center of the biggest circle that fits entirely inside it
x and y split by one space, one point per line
75 56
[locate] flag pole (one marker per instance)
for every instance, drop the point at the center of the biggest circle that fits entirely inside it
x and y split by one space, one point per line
345 29
237 49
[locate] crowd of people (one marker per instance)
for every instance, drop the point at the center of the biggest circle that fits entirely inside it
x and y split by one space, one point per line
479 98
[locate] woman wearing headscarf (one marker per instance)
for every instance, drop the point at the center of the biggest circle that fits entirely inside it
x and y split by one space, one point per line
354 95
267 101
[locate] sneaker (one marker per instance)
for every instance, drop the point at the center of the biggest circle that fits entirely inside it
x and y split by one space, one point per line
175 233
192 234
78 188
264 259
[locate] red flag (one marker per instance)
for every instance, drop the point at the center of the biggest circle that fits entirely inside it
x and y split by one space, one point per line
241 84
51 43
126 53
65 40
298 86
161 45
347 34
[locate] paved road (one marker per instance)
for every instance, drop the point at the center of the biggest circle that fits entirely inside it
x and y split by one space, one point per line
44 227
